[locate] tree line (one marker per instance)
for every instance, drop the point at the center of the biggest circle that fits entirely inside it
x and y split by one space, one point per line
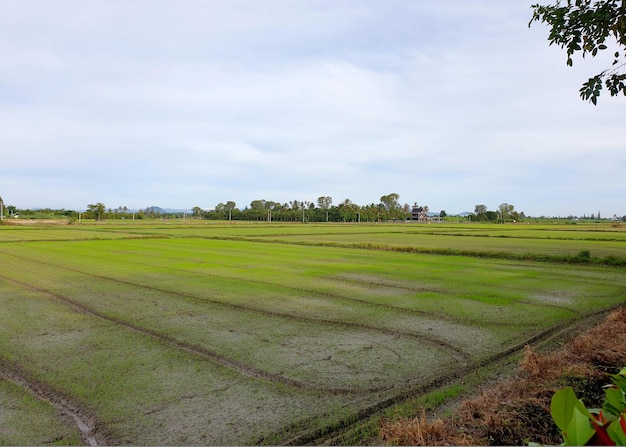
388 209
322 210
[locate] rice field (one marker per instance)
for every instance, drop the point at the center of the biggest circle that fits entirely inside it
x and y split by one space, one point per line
202 333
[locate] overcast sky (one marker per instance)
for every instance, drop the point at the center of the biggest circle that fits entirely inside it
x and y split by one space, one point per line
189 103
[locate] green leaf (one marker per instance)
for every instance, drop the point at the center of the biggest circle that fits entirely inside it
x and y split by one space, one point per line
616 433
619 380
580 406
562 407
614 402
579 429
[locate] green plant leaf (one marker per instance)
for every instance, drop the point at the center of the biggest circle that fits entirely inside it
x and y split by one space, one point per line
620 380
579 429
580 406
616 433
562 407
614 402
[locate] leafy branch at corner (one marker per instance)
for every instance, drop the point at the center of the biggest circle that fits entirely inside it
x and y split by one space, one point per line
586 26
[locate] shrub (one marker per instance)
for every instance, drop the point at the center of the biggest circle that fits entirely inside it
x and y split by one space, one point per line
583 256
581 426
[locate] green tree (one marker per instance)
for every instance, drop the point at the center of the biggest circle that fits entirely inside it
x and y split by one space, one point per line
97 210
585 26
257 204
406 212
226 210
481 212
506 211
491 216
348 211
274 206
371 212
390 201
391 204
324 203
230 206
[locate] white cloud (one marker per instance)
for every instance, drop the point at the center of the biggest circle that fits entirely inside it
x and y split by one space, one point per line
449 104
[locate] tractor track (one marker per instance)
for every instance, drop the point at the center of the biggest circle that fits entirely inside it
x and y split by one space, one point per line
91 429
330 433
222 360
326 294
337 296
455 352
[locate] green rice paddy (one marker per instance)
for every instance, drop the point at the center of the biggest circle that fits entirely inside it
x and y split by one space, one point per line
196 333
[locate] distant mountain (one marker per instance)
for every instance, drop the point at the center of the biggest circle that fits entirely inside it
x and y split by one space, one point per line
156 210
463 214
159 210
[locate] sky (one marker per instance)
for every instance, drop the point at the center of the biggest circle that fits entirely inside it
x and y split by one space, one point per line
191 103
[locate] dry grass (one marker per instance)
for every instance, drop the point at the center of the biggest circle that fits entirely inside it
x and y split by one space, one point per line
518 411
419 431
